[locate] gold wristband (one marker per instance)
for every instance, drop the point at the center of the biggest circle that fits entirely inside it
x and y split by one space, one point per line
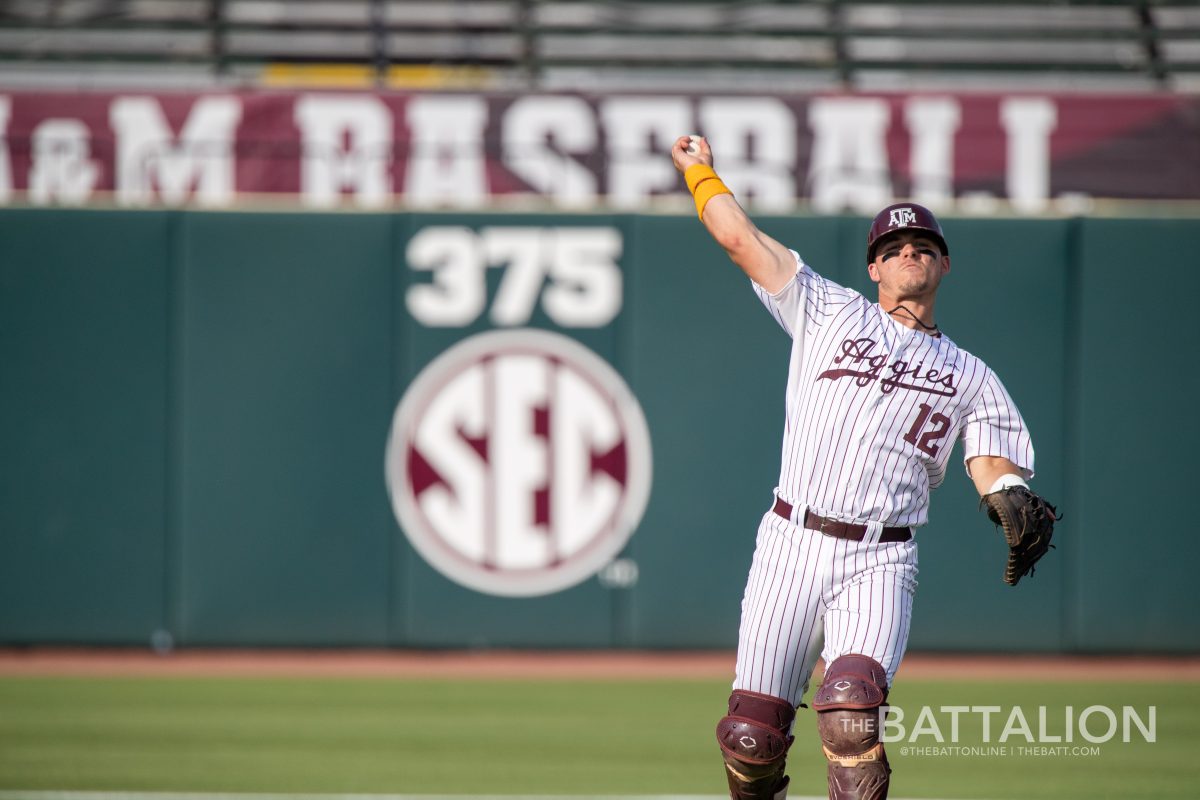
703 183
706 191
697 173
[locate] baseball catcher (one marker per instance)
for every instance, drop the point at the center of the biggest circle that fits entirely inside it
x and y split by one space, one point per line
877 397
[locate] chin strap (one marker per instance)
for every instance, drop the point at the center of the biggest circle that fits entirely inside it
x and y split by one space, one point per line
915 319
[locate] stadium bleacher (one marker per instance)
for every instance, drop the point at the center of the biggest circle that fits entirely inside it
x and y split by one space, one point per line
586 45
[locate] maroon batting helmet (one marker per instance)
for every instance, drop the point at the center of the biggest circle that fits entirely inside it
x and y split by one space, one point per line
904 217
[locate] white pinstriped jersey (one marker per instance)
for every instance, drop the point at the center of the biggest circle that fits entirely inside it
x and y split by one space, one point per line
874 407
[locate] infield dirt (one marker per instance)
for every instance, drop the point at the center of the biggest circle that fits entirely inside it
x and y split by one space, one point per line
543 665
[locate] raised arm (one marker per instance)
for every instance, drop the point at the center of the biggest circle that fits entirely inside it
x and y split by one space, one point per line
764 260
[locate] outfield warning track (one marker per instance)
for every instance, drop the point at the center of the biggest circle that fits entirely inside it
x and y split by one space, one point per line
68 795
549 665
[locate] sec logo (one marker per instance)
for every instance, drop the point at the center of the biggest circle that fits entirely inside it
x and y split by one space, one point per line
518 463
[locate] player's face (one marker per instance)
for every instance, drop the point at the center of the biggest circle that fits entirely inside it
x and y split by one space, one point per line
908 265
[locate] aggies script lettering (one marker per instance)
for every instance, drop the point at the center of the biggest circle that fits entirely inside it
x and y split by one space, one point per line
866 368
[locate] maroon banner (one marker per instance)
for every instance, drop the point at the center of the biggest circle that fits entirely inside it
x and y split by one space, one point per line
1028 153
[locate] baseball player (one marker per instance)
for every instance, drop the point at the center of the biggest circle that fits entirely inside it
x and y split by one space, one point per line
876 397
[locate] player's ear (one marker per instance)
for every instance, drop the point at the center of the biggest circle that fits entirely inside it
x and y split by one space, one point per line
873 271
945 264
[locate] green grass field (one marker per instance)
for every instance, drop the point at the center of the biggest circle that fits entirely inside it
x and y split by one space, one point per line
524 737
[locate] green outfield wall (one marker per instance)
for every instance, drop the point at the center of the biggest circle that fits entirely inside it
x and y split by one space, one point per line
194 410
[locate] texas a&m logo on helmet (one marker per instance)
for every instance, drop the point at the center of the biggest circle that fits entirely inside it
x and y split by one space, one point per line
904 217
518 463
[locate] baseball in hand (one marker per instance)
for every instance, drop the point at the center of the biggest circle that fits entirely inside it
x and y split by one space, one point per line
693 148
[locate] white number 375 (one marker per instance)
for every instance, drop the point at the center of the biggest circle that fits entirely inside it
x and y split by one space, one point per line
573 270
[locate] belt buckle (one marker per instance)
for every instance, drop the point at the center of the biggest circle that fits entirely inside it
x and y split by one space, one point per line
823 521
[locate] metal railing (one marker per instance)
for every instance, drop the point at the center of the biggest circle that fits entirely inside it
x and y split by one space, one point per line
577 44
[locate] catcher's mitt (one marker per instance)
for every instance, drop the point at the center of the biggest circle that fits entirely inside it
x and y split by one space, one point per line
1028 524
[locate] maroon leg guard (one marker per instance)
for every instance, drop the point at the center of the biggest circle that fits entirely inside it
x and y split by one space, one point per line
847 706
754 738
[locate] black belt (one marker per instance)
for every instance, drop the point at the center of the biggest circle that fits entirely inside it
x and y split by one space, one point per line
837 529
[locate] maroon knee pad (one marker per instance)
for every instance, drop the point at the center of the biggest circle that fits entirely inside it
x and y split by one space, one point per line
847 706
754 738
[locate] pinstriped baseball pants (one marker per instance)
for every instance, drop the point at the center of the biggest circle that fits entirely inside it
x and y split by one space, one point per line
809 594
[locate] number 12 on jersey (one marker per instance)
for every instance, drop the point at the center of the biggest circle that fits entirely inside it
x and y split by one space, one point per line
927 442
